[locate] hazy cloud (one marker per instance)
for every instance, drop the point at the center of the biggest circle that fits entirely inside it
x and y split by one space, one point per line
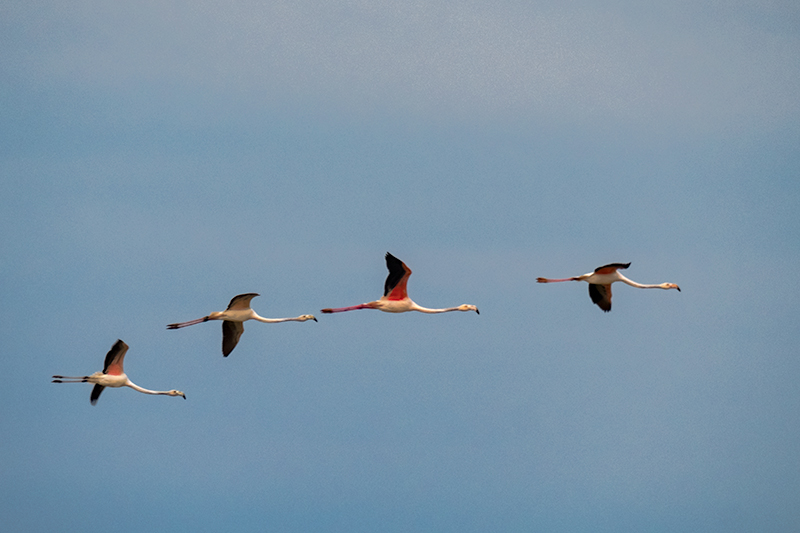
678 61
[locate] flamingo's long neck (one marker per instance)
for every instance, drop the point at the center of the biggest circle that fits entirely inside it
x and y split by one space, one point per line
275 320
134 386
632 283
416 307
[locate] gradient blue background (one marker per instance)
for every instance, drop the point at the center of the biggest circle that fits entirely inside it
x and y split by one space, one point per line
158 158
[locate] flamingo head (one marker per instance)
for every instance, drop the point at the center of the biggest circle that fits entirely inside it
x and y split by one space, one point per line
303 318
670 286
468 307
176 393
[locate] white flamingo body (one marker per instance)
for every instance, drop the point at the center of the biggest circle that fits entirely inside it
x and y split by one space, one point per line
112 376
395 294
401 306
600 283
238 312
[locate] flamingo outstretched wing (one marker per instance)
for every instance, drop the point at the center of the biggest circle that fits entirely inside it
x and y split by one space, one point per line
610 268
396 281
601 295
241 301
231 331
96 390
114 358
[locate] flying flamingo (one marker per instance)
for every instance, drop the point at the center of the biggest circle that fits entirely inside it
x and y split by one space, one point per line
600 283
112 376
395 298
238 311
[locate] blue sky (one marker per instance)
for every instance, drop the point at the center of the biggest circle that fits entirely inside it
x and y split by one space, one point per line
159 158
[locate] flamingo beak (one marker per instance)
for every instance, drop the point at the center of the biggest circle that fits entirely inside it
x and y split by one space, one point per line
315 319
476 310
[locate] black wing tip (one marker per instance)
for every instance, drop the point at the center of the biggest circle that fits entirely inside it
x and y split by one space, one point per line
605 309
97 390
392 259
238 297
619 266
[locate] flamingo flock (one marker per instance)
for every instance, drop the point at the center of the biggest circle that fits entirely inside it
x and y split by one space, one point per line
394 300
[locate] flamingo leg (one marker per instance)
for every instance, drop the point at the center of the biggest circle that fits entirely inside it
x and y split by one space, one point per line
190 323
351 308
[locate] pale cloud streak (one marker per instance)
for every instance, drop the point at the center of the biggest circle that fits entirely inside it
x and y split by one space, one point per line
681 64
